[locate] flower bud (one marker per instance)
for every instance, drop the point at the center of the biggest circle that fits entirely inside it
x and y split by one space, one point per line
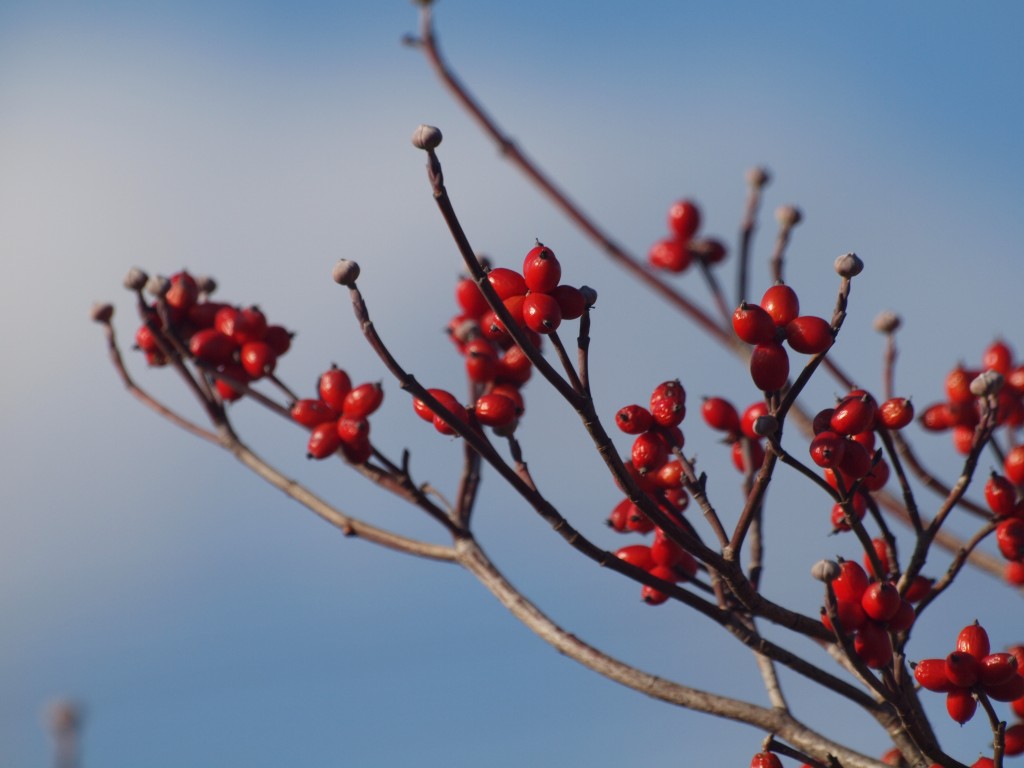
426 137
758 176
135 280
849 265
986 383
887 321
826 570
101 313
158 286
346 272
788 215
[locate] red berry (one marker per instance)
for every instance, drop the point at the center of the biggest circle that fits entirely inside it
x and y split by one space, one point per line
514 367
684 219
750 417
1000 495
649 452
633 419
226 390
250 325
720 414
444 397
765 760
1013 573
1013 739
1010 538
881 600
481 361
962 669
769 366
973 640
334 385
183 291
668 403
850 614
279 339
851 582
541 313
961 705
998 357
512 393
739 459
570 301
827 449
780 301
311 413
931 674
873 645
672 255
753 324
506 282
918 589
1010 690
495 410
638 555
363 400
896 413
997 668
212 346
958 385
541 270
822 421
258 359
854 413
809 335
353 431
323 441
1013 465
470 298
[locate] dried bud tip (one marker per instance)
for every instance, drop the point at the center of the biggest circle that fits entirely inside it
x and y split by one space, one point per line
426 137
758 176
158 286
788 215
849 265
589 295
766 425
887 321
206 284
825 570
987 383
466 331
101 313
346 272
135 280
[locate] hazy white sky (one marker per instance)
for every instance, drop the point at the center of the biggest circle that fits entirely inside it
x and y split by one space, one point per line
207 622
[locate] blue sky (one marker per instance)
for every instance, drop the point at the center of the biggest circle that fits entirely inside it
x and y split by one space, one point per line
206 621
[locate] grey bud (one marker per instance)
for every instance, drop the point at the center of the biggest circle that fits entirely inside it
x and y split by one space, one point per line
825 570
986 383
887 321
788 215
426 137
158 286
849 265
101 313
346 272
135 280
758 176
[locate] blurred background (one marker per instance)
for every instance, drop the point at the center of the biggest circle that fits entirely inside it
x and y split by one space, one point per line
205 620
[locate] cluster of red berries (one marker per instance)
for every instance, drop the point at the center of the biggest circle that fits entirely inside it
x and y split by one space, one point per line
960 412
657 435
1007 505
236 343
870 611
538 302
844 446
767 325
972 669
721 415
679 250
338 418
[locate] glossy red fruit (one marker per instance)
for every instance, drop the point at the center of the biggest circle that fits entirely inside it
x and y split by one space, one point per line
958 385
973 640
670 254
353 431
876 477
1013 573
769 366
851 582
809 335
541 270
827 449
145 340
495 410
258 359
514 367
1010 690
323 441
854 463
668 475
850 614
753 324
541 313
363 400
684 219
983 762
961 705
443 396
649 452
183 292
1000 495
1010 538
781 302
896 413
470 298
998 357
1013 739
619 518
653 596
720 414
822 421
881 600
506 282
997 668
633 419
873 645
750 416
708 250
854 413
250 325
512 393
1013 465
638 522
334 385
311 413
962 669
765 760
638 555
931 675
570 301
839 519
963 439
212 346
481 361
226 390
668 403
918 589
444 427
739 451
279 338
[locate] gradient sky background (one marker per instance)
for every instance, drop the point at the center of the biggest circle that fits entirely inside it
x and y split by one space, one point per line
205 621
